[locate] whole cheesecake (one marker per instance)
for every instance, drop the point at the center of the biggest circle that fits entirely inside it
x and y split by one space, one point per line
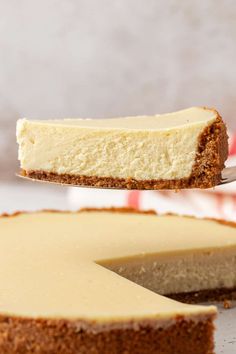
185 149
99 281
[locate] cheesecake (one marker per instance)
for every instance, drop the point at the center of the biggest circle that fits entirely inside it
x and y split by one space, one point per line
105 281
185 149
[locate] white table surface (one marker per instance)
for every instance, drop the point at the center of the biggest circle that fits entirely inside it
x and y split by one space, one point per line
35 196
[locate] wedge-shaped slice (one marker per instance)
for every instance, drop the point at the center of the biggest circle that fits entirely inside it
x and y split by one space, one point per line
76 283
186 149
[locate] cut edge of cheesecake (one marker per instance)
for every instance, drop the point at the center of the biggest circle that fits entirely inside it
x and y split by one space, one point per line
70 336
212 152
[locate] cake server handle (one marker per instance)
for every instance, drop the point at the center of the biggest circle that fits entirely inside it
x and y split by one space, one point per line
228 175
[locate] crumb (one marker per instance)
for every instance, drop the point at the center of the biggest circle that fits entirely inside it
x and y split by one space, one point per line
227 304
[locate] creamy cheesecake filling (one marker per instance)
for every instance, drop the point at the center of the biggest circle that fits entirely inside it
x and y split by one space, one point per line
144 148
171 274
49 264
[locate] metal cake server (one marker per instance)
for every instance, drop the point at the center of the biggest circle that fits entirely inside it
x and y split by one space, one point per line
228 175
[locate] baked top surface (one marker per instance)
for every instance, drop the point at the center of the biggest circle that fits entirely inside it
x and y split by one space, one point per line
186 117
51 261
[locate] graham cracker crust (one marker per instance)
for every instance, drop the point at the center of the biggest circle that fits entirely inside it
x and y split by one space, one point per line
208 295
116 210
211 155
28 336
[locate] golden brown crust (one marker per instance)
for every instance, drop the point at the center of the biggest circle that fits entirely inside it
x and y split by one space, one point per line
119 210
28 336
227 304
208 295
110 209
206 173
211 156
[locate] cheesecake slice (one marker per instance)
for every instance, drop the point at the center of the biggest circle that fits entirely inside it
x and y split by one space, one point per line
185 149
100 281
